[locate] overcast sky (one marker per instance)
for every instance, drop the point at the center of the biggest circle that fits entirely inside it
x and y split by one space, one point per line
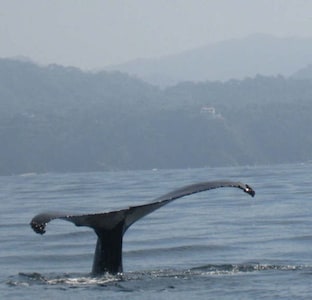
91 34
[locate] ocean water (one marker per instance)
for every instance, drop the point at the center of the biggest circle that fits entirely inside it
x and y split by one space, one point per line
218 244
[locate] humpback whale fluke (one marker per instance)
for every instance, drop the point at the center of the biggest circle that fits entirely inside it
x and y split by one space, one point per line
111 226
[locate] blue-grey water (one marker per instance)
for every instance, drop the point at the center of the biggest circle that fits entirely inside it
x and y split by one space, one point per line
218 244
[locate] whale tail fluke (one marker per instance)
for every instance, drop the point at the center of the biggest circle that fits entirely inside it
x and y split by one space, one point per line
111 226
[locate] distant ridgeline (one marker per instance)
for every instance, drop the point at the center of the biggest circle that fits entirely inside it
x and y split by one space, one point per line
58 119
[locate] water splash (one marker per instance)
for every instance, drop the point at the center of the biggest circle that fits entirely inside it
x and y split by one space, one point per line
28 279
122 281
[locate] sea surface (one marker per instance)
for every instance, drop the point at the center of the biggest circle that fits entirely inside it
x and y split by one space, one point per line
218 244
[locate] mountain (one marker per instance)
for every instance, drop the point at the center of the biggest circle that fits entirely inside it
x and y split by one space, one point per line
231 59
304 73
61 119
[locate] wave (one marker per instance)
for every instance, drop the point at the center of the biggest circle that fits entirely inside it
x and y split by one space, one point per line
245 268
83 280
28 279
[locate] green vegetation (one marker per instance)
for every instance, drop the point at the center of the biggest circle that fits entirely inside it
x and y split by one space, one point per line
57 119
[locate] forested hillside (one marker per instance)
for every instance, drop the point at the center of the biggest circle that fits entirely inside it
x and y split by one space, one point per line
57 119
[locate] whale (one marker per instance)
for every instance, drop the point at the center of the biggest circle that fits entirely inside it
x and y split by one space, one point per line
111 226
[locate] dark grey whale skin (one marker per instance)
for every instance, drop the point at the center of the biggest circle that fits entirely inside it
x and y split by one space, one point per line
111 226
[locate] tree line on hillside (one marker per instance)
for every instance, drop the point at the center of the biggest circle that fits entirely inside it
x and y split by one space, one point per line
58 119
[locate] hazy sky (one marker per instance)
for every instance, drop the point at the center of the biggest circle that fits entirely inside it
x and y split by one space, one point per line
93 33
